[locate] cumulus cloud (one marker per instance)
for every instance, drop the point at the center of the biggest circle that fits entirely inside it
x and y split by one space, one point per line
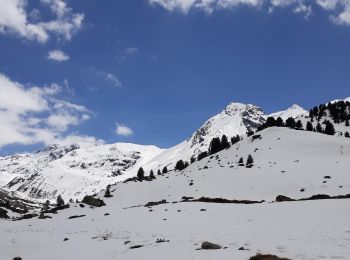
123 130
30 115
57 55
338 10
16 18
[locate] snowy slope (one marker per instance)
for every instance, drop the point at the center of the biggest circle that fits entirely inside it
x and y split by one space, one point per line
286 162
72 171
235 119
294 111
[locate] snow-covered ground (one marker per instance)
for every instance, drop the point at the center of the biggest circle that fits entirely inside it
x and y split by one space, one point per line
287 162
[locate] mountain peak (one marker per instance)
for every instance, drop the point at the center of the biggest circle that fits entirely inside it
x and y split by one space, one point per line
294 111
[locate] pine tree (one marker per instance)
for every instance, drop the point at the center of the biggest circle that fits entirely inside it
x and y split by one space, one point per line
46 206
202 155
215 145
279 122
60 202
180 165
141 173
108 192
299 125
270 122
319 128
250 161
224 142
347 122
241 162
159 172
193 159
165 170
235 139
347 134
290 122
151 175
329 129
309 126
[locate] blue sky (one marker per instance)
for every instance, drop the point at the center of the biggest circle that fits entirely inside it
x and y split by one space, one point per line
158 69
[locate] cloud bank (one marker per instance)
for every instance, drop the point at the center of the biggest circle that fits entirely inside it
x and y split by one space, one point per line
30 115
16 19
338 10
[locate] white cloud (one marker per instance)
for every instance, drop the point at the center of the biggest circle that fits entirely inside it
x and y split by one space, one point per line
123 130
131 50
57 55
112 78
338 10
15 18
30 115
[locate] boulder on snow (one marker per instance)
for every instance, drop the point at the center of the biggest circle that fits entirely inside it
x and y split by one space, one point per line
90 200
208 246
281 198
267 257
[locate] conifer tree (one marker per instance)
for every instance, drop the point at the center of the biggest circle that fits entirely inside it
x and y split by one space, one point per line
180 165
46 206
108 192
224 142
159 172
329 129
215 145
151 175
165 169
319 128
241 162
202 155
309 126
235 139
299 125
290 122
60 202
250 161
347 134
141 173
279 122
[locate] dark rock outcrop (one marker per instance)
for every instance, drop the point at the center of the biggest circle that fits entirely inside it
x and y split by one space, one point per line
209 246
90 200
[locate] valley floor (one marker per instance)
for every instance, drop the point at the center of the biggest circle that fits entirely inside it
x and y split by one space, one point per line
297 230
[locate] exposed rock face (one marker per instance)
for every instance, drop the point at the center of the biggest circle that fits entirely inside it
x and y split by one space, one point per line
281 198
3 213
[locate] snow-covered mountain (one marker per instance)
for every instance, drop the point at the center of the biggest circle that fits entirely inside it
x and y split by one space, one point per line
235 119
296 164
72 171
79 169
294 111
